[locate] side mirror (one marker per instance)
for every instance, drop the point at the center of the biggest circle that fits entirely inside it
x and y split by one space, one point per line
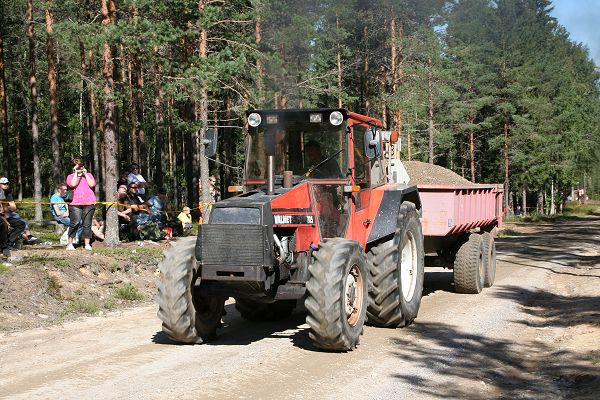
210 142
372 143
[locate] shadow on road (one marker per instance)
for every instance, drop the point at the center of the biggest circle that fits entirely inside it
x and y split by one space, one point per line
553 309
528 368
238 331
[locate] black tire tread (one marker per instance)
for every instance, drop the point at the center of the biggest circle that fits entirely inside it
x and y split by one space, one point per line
323 294
385 295
489 259
466 268
174 297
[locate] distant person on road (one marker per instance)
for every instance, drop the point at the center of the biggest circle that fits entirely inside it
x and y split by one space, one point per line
82 208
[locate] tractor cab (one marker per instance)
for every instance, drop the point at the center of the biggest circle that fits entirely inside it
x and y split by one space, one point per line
332 157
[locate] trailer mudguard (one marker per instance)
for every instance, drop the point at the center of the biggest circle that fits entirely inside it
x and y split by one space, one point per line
387 214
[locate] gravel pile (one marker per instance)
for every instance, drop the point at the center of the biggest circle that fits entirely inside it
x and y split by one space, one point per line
421 173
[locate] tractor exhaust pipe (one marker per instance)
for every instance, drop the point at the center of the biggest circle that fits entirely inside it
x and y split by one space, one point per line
271 175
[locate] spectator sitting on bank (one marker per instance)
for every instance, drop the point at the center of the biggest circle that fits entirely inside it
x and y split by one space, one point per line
157 205
136 177
139 211
123 179
98 229
58 207
185 217
13 220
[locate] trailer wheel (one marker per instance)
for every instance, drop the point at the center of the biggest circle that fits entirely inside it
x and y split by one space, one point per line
469 266
186 316
337 294
256 311
489 259
397 272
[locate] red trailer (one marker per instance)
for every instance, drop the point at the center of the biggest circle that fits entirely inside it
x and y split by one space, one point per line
459 225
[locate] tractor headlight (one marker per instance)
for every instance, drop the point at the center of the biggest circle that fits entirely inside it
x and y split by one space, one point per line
336 118
254 120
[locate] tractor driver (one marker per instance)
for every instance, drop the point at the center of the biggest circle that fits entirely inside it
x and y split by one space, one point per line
329 169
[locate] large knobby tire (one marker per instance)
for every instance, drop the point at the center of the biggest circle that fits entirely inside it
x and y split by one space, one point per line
489 259
397 273
256 311
337 294
469 266
186 316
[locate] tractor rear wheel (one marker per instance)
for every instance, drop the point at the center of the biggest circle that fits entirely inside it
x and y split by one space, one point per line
337 294
256 311
397 272
489 259
469 266
187 317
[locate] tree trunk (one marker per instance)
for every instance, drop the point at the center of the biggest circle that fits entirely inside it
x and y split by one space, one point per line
524 200
54 134
260 68
203 161
110 138
17 135
135 157
472 149
552 206
506 181
37 179
430 102
98 168
6 164
86 123
339 61
158 148
366 100
140 114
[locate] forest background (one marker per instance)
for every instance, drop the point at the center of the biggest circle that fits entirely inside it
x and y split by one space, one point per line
494 90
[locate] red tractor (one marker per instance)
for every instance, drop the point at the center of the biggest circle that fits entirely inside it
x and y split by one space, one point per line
320 219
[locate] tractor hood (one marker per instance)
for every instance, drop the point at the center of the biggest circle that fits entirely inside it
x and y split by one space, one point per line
284 207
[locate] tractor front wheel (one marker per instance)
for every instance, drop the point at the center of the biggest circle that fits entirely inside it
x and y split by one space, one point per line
397 273
337 294
187 317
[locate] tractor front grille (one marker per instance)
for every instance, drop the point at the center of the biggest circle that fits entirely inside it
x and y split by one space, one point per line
233 245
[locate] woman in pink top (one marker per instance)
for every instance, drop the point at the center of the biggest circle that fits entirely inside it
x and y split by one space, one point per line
81 209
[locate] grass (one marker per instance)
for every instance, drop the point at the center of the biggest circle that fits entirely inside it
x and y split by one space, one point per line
44 259
54 288
129 292
137 254
507 232
4 268
81 307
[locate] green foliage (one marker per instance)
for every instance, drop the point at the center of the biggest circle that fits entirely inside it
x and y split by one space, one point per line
4 268
493 64
129 292
81 307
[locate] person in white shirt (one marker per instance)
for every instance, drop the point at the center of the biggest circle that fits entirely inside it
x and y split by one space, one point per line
136 177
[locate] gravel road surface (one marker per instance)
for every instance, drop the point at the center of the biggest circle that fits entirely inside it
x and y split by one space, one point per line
520 339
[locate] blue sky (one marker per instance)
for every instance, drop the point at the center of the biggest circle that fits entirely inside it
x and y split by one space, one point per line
582 19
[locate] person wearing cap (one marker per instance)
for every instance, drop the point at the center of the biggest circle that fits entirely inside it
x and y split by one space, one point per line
12 218
186 218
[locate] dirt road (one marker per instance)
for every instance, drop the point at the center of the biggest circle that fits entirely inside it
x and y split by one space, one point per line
534 335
